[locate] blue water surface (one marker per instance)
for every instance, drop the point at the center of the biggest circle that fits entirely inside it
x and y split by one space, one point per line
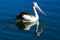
9 9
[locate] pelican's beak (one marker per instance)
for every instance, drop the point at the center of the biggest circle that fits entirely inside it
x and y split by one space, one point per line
38 8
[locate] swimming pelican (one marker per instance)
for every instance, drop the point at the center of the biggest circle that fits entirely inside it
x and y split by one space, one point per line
25 20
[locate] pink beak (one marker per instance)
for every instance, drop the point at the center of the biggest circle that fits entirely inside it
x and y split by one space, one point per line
38 8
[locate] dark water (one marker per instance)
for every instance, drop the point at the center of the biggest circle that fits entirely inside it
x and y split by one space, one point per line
9 9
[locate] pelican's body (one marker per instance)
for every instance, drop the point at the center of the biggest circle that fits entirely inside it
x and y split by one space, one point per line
27 20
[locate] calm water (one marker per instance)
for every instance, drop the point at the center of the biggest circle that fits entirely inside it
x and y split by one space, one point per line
9 9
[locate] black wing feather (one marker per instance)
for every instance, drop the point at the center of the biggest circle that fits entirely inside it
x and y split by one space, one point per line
20 16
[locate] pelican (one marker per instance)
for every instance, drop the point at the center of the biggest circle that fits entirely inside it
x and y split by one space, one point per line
25 20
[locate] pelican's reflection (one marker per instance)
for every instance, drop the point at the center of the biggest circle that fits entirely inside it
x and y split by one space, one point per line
25 25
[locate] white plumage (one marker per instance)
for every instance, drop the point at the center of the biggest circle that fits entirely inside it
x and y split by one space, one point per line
30 18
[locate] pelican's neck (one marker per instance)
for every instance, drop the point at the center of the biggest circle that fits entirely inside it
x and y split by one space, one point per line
36 15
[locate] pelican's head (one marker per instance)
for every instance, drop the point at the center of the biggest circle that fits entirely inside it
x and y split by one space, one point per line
38 8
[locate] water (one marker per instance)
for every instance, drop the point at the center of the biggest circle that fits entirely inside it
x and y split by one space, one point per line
9 9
